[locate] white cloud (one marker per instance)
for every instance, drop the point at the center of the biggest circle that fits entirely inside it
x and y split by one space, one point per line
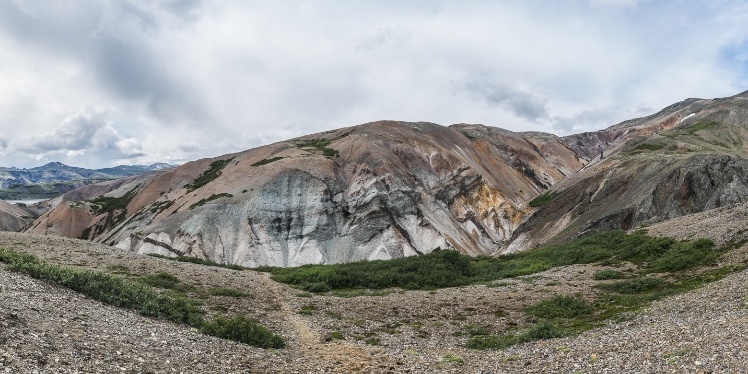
184 80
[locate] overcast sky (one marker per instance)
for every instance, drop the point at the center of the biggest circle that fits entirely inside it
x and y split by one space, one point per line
101 83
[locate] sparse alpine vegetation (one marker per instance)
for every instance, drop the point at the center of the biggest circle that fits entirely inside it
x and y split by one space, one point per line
319 144
267 161
209 175
140 295
544 199
209 199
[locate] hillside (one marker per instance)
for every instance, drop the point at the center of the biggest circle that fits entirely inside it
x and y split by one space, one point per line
55 178
697 162
375 191
392 189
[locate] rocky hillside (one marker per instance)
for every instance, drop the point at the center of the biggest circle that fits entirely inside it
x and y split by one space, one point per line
375 191
55 178
697 161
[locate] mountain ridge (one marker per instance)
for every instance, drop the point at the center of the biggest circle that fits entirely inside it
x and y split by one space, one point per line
389 189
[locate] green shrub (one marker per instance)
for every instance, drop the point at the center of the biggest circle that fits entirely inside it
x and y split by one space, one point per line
543 199
244 330
632 286
320 144
475 330
267 161
319 287
209 199
649 147
209 175
608 274
560 307
161 280
540 331
491 341
543 330
231 292
308 309
104 204
685 255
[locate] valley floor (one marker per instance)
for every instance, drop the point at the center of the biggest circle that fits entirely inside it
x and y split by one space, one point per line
46 328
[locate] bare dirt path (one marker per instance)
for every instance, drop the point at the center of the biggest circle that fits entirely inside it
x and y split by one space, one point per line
326 354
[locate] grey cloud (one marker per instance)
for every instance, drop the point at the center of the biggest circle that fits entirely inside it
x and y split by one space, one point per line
519 102
80 131
595 119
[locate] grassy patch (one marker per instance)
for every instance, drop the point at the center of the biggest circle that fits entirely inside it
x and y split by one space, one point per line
308 309
543 199
198 261
632 286
141 297
698 126
209 199
105 204
452 358
162 280
160 206
608 274
560 307
319 144
267 161
209 175
244 330
649 147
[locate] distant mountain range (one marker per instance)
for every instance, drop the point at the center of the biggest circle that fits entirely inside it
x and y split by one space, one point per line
55 178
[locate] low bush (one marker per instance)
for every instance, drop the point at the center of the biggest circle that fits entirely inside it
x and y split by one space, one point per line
632 286
543 330
161 280
539 331
543 199
560 307
319 287
608 274
244 330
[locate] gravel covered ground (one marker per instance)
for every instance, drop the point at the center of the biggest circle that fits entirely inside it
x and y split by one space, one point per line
45 328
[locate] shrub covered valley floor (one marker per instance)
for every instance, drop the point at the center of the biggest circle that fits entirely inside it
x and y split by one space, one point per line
48 328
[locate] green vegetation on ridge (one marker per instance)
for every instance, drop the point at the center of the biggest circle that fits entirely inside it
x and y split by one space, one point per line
544 199
143 298
320 144
209 175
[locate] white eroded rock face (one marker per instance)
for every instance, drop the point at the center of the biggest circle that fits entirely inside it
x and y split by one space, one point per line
377 191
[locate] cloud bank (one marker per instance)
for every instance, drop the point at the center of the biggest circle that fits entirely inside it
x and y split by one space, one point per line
95 83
